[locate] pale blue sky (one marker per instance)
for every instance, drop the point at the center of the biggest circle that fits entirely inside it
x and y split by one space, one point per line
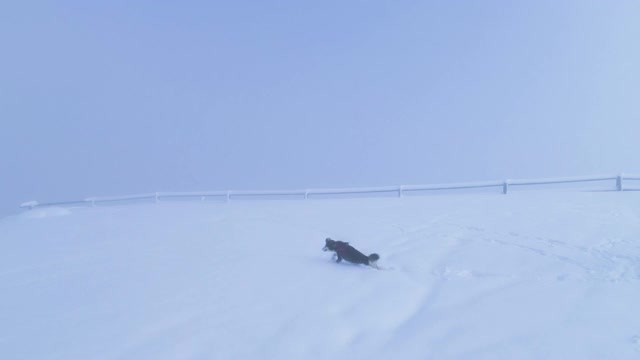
118 97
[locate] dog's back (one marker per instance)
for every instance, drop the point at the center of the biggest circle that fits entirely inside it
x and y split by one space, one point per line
350 254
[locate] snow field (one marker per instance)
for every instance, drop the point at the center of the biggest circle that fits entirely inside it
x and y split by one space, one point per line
526 276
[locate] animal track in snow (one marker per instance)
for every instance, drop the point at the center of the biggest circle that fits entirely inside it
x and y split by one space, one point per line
635 340
450 273
595 263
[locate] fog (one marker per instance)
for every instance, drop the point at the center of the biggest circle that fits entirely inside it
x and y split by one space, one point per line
112 98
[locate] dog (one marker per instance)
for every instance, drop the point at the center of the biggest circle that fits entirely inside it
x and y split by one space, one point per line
345 251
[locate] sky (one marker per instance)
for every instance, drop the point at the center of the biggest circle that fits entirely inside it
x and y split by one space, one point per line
119 97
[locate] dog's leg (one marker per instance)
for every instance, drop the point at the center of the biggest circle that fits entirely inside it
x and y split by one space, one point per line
339 258
334 256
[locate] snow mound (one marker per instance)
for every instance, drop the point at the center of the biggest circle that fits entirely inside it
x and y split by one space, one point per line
45 212
523 276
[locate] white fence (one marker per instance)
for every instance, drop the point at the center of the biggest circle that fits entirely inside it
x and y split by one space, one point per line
505 186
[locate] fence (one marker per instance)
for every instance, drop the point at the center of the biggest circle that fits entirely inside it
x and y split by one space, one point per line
504 186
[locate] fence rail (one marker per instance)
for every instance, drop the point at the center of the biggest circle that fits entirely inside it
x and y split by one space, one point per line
505 185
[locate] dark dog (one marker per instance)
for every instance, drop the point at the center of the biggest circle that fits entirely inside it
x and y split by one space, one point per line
345 251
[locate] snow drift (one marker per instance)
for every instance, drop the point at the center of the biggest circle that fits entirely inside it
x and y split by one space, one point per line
524 276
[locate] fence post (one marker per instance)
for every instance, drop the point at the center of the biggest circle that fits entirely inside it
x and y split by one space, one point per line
306 194
400 191
619 182
228 196
505 187
157 198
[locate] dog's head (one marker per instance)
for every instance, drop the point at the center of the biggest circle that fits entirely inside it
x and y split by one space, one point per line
330 245
333 245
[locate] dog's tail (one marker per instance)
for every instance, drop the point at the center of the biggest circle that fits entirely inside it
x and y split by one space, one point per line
373 260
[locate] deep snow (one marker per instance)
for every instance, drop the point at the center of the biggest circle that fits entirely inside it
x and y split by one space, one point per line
539 275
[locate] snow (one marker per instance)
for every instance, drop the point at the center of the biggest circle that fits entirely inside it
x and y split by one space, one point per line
534 275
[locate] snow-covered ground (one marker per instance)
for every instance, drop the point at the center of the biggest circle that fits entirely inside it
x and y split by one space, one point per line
539 275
